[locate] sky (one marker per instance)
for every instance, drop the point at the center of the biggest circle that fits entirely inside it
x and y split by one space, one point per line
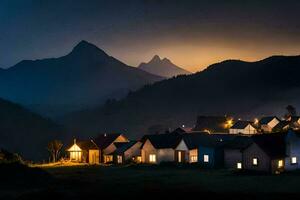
193 34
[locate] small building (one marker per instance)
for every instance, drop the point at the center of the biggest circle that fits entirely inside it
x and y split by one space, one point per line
84 151
233 152
292 151
127 152
267 153
213 124
243 127
159 148
107 144
268 123
282 126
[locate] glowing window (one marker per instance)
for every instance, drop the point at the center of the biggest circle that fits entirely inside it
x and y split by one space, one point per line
255 161
193 158
294 160
280 163
239 165
206 158
152 158
179 156
120 159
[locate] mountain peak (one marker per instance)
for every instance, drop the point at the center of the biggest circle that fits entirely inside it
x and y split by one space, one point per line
155 58
84 47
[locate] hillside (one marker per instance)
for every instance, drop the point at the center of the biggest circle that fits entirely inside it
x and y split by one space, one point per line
233 87
162 67
26 133
87 76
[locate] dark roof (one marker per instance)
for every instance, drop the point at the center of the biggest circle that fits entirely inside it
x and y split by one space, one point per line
124 147
239 142
104 140
182 130
273 144
241 124
295 118
163 141
119 144
87 145
280 126
196 139
266 120
212 123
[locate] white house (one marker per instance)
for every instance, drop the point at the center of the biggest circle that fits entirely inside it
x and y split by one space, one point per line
268 123
243 127
84 151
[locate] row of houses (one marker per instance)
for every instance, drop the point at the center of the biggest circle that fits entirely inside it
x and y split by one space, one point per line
274 152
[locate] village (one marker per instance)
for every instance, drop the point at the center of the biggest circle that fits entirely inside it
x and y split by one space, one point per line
268 144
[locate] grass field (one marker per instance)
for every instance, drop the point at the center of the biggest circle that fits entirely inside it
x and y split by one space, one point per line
83 182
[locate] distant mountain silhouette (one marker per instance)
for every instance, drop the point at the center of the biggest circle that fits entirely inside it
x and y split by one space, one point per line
26 133
85 77
233 87
162 67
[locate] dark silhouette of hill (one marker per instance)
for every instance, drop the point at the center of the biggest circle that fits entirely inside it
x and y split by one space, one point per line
233 87
162 67
87 76
25 132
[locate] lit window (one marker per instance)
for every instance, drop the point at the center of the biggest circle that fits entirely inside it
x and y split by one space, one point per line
239 165
152 158
120 159
280 163
193 158
108 158
206 158
255 161
294 160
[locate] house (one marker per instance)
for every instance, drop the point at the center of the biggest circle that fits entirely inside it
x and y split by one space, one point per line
281 126
292 150
243 127
128 151
294 122
84 151
213 124
159 148
107 144
268 123
267 153
203 148
233 152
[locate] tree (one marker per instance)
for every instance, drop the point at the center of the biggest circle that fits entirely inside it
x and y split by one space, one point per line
291 111
54 147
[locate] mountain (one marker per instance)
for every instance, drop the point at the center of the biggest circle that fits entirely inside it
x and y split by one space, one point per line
233 87
87 76
25 132
162 67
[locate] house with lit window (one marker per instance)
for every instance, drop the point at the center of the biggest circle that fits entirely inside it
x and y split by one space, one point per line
267 153
160 148
84 151
233 151
127 152
243 127
292 150
107 144
268 123
282 126
213 124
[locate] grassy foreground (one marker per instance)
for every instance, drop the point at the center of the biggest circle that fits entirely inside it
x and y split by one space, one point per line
82 182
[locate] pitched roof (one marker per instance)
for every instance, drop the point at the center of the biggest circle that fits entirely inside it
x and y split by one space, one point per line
272 144
280 126
84 144
104 140
163 141
124 147
239 142
211 123
241 124
196 139
266 120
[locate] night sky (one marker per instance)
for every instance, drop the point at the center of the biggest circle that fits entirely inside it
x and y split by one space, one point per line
193 34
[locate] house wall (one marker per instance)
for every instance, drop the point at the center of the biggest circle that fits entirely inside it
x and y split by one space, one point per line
254 151
193 153
248 130
292 150
93 157
268 127
147 150
212 157
232 157
162 155
111 148
184 151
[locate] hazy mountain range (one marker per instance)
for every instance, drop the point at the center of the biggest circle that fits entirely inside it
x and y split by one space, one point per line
86 77
233 87
162 67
